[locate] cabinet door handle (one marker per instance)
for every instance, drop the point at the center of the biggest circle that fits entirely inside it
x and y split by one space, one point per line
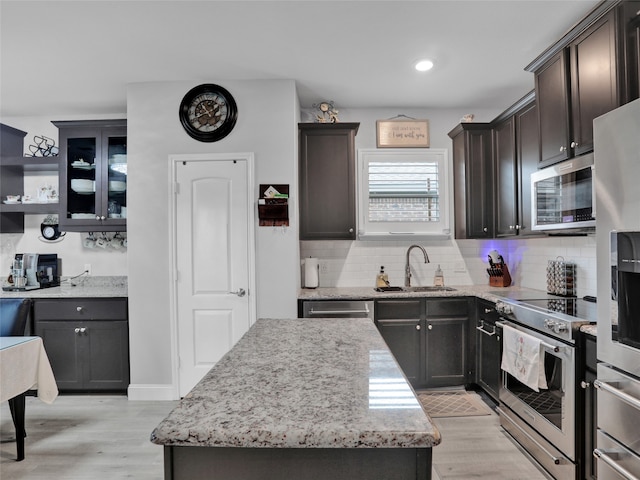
83 330
485 229
488 310
79 309
77 330
80 330
417 327
574 144
563 148
585 385
430 327
351 230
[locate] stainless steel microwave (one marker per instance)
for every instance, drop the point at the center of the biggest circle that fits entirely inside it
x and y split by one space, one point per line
563 196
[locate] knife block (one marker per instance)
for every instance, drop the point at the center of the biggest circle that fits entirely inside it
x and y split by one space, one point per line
503 279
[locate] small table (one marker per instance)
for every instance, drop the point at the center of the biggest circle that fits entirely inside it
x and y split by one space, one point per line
24 365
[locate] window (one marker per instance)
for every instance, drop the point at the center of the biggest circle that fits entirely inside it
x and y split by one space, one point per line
403 192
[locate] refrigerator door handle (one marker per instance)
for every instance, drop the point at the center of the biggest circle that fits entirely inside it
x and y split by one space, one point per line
625 397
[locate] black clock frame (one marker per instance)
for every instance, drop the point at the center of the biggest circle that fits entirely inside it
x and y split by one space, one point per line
229 122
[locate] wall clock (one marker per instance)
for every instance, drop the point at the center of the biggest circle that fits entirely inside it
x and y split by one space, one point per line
208 112
50 231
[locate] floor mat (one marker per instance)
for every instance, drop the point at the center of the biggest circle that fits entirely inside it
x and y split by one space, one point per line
454 403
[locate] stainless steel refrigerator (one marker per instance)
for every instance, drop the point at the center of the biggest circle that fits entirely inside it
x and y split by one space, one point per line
617 189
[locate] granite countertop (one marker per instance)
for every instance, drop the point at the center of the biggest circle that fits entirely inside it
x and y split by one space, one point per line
106 286
302 383
486 292
590 330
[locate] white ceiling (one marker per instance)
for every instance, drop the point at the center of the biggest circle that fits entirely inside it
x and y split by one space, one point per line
76 57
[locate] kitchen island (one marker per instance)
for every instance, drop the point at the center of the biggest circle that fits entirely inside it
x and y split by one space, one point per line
301 398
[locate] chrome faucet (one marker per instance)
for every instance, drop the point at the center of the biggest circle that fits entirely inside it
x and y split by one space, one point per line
407 268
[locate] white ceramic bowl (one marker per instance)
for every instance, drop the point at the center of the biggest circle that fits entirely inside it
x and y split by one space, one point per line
80 185
117 186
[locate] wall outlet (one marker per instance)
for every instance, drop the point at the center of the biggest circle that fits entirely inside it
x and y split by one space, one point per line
87 267
324 267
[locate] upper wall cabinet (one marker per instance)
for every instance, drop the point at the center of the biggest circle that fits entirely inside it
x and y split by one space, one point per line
576 81
516 154
473 180
327 181
631 22
93 175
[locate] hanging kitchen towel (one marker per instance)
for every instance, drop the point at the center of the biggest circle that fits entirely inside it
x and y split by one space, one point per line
521 357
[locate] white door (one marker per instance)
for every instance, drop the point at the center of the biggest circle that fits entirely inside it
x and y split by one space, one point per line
212 261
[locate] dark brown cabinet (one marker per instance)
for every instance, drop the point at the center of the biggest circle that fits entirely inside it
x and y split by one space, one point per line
473 180
327 181
575 85
631 19
488 348
87 342
528 155
506 174
515 147
400 324
93 175
428 338
13 167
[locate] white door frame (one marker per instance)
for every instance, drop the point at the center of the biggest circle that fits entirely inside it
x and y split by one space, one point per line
251 245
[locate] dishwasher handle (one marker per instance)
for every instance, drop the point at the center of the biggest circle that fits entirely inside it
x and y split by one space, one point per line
365 311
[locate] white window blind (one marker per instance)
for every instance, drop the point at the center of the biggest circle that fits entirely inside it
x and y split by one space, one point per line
403 192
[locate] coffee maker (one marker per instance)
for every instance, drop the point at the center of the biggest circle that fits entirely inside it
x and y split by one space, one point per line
31 271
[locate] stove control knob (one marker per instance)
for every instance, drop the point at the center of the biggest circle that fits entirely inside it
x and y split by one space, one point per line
504 308
561 327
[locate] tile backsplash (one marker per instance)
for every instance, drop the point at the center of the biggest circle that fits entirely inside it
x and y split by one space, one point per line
464 262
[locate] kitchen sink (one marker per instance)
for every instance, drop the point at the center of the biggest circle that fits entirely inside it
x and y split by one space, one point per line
428 289
415 289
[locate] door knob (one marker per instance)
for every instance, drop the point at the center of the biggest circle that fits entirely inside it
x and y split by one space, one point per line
241 292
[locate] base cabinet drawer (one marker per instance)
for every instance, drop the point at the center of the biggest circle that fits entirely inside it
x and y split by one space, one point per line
85 355
81 309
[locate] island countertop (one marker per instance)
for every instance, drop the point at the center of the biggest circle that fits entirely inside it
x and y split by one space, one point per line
302 383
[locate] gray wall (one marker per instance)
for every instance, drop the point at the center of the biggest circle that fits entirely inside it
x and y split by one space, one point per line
266 126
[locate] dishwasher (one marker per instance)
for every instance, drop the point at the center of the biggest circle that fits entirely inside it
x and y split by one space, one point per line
337 309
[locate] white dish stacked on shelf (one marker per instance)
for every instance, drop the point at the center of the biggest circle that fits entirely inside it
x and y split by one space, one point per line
81 164
83 186
117 186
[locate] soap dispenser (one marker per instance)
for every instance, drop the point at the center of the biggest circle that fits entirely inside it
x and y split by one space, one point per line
438 278
382 279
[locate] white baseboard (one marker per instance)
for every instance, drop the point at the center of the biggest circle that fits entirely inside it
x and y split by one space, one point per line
152 392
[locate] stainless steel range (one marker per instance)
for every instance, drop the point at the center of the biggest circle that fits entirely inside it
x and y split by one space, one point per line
543 420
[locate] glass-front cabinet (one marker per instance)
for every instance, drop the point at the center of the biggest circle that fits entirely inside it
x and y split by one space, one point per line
93 175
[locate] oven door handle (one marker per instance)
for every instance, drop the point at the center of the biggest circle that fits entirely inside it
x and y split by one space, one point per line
616 392
544 344
554 459
623 472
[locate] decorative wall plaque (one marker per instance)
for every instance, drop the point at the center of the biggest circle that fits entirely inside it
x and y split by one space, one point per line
402 133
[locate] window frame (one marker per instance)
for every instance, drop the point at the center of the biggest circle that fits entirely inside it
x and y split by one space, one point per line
399 230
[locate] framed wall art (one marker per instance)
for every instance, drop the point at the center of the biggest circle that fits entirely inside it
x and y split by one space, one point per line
402 133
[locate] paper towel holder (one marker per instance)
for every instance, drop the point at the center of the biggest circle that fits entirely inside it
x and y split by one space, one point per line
311 272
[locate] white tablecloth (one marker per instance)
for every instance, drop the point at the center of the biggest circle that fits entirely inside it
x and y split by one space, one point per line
24 365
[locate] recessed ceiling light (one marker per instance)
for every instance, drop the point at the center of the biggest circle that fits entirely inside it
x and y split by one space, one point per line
424 65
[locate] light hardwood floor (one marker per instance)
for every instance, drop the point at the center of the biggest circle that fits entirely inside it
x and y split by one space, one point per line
107 438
